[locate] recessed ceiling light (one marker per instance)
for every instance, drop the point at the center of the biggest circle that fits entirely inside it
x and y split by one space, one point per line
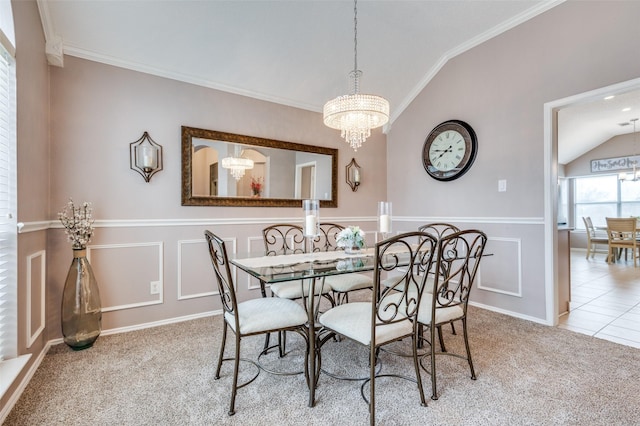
626 109
608 98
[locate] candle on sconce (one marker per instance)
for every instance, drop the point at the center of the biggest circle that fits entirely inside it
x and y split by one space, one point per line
356 176
146 157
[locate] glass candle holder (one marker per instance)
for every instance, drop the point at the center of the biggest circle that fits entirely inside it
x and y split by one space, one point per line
384 217
311 210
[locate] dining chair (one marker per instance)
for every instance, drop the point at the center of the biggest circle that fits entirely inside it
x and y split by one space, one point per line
289 239
391 314
592 237
284 238
447 300
251 317
622 235
341 285
439 230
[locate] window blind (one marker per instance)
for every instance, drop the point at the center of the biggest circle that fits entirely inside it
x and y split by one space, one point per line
8 207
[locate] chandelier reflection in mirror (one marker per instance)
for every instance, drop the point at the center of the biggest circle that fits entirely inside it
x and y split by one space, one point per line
356 114
237 164
635 173
145 156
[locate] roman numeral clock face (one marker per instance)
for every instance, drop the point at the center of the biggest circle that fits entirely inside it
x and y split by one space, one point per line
449 150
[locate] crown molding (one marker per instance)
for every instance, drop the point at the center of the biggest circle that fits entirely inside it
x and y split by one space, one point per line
185 78
487 35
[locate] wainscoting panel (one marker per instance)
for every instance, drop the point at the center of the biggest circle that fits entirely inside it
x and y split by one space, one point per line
36 297
256 245
126 274
502 271
195 272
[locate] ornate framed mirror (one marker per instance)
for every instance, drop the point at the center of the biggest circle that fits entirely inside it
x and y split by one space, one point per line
227 169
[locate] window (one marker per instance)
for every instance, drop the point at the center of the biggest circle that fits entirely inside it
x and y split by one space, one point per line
605 196
8 196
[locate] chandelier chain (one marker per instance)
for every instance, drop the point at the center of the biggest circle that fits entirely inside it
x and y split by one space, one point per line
355 35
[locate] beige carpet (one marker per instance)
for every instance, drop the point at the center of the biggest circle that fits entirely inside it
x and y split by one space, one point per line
528 374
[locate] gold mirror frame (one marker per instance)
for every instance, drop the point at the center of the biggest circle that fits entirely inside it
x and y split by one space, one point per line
188 199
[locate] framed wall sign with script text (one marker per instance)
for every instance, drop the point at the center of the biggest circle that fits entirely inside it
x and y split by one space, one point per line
616 163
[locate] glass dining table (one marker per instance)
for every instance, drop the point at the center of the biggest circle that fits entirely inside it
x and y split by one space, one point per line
310 268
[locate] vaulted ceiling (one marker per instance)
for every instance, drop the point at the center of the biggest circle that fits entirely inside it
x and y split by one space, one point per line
296 53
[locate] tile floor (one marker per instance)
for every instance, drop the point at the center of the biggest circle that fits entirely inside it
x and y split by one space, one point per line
605 299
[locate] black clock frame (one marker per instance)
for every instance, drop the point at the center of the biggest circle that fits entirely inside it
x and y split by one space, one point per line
470 139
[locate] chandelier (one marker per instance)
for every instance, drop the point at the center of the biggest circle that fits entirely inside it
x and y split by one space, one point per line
635 174
237 165
356 114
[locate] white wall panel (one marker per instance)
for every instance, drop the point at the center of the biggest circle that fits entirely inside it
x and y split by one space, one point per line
125 272
501 270
36 286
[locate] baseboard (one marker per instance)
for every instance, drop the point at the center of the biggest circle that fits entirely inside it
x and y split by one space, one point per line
510 313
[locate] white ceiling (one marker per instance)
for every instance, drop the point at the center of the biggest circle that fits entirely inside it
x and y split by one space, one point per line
296 53
584 126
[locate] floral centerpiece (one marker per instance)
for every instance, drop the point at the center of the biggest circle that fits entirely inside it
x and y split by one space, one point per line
351 238
78 223
256 186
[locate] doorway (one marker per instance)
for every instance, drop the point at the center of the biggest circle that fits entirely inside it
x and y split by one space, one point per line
552 200
305 187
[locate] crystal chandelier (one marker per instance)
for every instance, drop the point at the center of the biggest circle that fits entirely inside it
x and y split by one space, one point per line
356 114
237 165
635 174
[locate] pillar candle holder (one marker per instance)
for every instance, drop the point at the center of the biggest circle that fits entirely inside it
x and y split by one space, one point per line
384 218
311 210
311 225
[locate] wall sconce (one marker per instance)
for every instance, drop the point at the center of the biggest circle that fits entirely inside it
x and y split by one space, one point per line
353 175
145 156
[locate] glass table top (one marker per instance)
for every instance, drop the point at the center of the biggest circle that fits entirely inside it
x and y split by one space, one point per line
271 269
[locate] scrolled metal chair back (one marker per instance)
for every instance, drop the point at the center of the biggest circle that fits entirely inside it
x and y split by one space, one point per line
439 230
283 239
403 255
459 254
327 240
220 262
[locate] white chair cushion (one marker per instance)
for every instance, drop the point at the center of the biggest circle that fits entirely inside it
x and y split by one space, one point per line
293 289
442 314
391 281
424 313
353 320
348 282
267 313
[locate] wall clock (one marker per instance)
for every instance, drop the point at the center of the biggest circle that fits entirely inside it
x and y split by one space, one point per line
449 150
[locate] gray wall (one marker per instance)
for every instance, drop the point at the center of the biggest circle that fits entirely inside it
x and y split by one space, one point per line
500 89
617 146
